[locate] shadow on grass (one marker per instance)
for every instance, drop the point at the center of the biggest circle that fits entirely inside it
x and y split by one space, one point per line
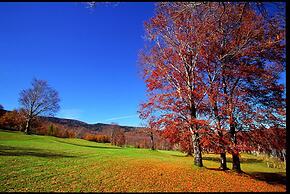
90 146
217 159
217 169
271 178
243 160
16 151
8 130
182 156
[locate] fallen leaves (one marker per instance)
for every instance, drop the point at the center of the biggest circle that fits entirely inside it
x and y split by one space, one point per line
119 170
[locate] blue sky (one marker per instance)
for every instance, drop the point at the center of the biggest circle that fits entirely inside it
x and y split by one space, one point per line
88 56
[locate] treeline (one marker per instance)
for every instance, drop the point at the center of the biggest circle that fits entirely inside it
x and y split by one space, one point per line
269 142
16 120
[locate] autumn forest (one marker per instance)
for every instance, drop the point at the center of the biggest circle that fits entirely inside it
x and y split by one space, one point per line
213 119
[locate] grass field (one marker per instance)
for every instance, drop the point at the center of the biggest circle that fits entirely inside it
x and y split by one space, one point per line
44 163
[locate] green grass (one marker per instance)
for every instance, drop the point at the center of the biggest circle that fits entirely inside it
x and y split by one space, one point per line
45 163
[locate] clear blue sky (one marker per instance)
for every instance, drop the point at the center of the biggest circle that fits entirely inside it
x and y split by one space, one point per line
88 56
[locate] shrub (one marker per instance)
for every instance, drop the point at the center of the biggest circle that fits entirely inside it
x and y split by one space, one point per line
89 137
118 137
14 120
102 138
97 138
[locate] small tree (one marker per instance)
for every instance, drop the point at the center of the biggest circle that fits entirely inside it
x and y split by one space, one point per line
118 137
151 134
51 130
13 120
38 100
150 131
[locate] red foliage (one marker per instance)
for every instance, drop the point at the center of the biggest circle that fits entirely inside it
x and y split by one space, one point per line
208 69
13 120
97 138
264 140
118 137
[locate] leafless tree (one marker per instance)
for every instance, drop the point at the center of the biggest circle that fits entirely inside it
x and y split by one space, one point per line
118 136
40 99
150 131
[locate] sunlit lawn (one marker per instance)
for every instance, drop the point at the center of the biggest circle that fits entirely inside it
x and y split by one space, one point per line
44 163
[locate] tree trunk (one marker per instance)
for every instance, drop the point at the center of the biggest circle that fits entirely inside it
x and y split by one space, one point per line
284 155
197 150
235 154
152 141
236 162
223 161
195 140
189 152
27 127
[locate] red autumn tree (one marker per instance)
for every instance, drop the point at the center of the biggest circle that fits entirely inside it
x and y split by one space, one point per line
174 74
250 55
180 136
118 136
244 55
204 63
151 133
13 120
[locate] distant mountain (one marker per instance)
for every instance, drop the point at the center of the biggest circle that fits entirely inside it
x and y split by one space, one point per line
97 127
